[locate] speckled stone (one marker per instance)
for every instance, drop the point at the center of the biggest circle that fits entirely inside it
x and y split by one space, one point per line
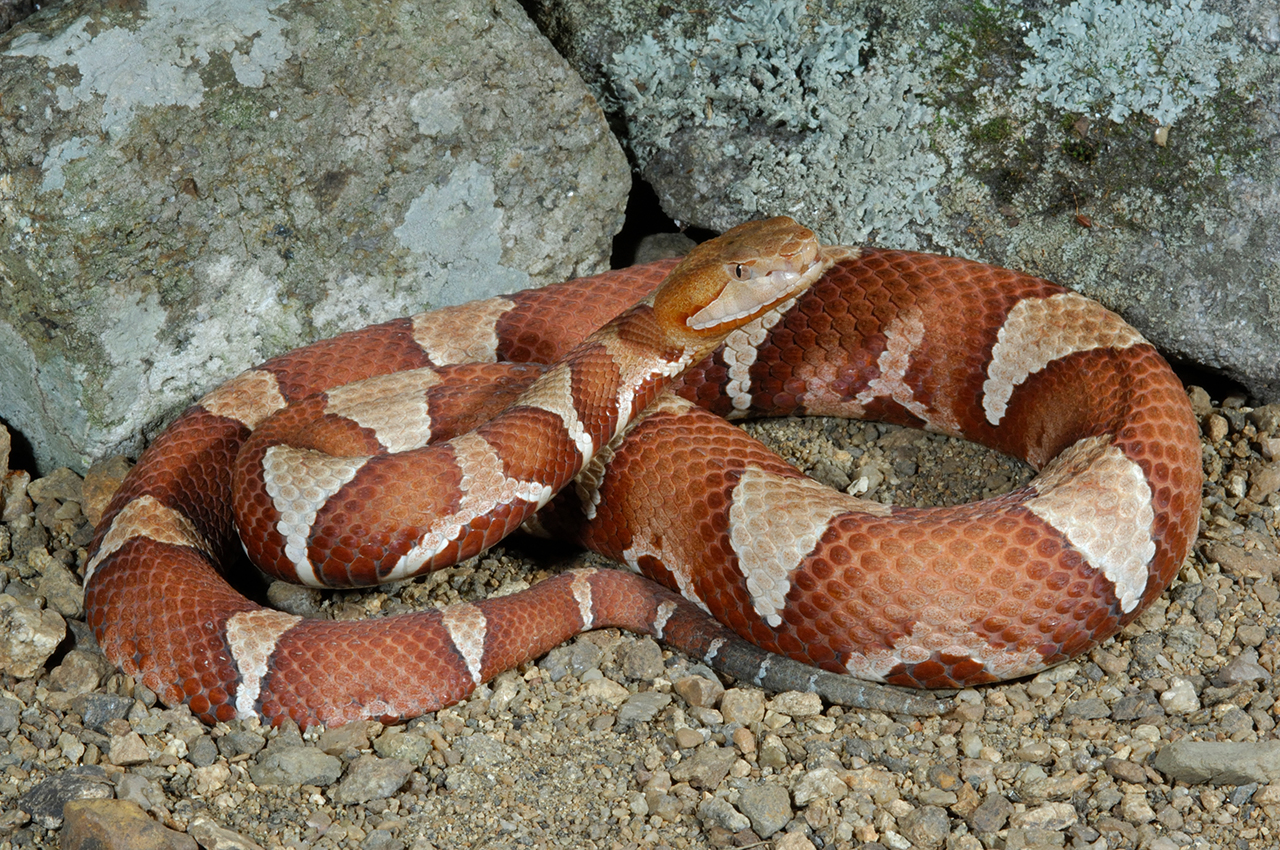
991 815
706 768
371 778
296 766
768 806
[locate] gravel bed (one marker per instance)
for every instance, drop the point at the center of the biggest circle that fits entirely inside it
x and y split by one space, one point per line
611 741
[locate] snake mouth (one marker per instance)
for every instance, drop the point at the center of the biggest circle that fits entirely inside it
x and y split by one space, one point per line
751 291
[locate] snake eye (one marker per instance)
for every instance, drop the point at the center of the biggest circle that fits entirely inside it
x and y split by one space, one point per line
740 271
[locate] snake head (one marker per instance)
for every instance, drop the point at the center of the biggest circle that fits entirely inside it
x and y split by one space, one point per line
726 282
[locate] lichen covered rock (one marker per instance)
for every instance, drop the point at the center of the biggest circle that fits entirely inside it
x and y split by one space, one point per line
190 187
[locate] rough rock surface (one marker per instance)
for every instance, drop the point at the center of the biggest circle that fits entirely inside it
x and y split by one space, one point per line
1136 744
12 11
971 129
189 187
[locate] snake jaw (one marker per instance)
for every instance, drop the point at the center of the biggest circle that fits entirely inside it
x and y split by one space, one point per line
728 281
751 292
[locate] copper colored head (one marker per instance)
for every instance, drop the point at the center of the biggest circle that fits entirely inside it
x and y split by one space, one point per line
728 281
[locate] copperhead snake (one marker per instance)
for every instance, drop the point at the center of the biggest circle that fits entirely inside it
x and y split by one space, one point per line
626 426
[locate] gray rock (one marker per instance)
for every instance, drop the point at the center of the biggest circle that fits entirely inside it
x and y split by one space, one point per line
1107 798
452 155
1048 816
901 128
10 714
63 592
1244 668
287 734
213 836
290 765
767 805
773 753
45 802
1220 763
80 672
202 752
484 752
98 709
641 708
1144 704
574 659
641 660
1206 607
1242 794
715 811
1090 708
1182 638
241 742
822 783
349 737
406 746
927 826
381 839
1181 697
1030 838
991 815
371 778
28 636
706 768
294 599
1235 724
138 789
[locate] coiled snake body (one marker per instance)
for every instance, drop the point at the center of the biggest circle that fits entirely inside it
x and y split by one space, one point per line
406 446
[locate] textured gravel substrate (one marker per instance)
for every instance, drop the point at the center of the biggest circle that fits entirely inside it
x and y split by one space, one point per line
613 742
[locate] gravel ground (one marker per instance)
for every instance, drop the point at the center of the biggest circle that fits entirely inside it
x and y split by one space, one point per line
613 742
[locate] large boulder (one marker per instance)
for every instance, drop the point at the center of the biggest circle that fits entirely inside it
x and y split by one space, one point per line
1130 150
189 187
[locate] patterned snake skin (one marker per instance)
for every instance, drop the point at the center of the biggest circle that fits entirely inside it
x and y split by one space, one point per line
406 446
